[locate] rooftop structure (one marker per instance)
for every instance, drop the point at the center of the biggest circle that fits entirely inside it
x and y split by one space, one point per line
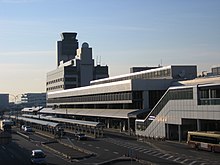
216 70
76 66
176 72
67 47
138 69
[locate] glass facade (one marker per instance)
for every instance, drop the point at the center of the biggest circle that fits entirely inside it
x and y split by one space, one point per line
90 101
209 95
93 98
154 97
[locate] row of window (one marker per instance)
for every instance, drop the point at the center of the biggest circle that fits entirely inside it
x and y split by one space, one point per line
209 96
216 71
55 87
93 98
209 101
99 97
205 139
134 105
55 81
148 75
209 93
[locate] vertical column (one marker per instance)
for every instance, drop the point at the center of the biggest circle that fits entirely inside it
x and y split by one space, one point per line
129 128
124 125
145 100
102 132
179 133
167 132
196 95
198 124
210 96
108 123
95 132
98 132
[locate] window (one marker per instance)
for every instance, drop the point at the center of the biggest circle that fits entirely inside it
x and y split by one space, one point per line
205 139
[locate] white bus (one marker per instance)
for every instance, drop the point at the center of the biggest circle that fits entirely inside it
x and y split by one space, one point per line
209 141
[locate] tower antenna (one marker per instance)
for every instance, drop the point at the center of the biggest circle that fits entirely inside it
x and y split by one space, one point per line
96 60
100 60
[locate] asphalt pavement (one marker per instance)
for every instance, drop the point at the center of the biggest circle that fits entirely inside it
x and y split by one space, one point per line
115 148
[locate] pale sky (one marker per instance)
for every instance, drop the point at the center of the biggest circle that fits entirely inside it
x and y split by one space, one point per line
124 33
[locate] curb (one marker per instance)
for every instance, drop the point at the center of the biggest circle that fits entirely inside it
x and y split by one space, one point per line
23 135
71 146
78 148
40 133
116 160
125 159
64 155
58 152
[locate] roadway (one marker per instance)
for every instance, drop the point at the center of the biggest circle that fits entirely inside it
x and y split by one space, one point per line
158 152
19 150
169 150
112 146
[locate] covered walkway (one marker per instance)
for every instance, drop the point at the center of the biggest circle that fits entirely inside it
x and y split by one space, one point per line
54 128
91 128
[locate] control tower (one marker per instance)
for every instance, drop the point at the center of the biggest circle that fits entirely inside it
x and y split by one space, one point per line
66 48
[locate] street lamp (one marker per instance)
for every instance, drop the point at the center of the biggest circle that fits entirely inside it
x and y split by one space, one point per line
15 101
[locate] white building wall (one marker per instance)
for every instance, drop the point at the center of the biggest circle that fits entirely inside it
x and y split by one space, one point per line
119 86
176 110
53 76
94 89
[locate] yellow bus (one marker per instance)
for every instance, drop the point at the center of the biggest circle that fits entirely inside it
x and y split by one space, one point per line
209 141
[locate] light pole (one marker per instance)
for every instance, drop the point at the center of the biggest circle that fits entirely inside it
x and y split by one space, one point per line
15 102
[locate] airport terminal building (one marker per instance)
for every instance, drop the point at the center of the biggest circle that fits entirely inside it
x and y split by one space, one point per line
163 102
149 102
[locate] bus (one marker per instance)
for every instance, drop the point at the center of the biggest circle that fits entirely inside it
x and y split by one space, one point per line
209 141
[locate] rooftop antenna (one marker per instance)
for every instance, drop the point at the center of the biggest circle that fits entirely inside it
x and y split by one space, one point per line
161 63
100 60
96 60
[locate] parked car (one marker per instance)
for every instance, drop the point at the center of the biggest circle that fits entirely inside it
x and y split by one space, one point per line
28 129
23 127
81 136
38 157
